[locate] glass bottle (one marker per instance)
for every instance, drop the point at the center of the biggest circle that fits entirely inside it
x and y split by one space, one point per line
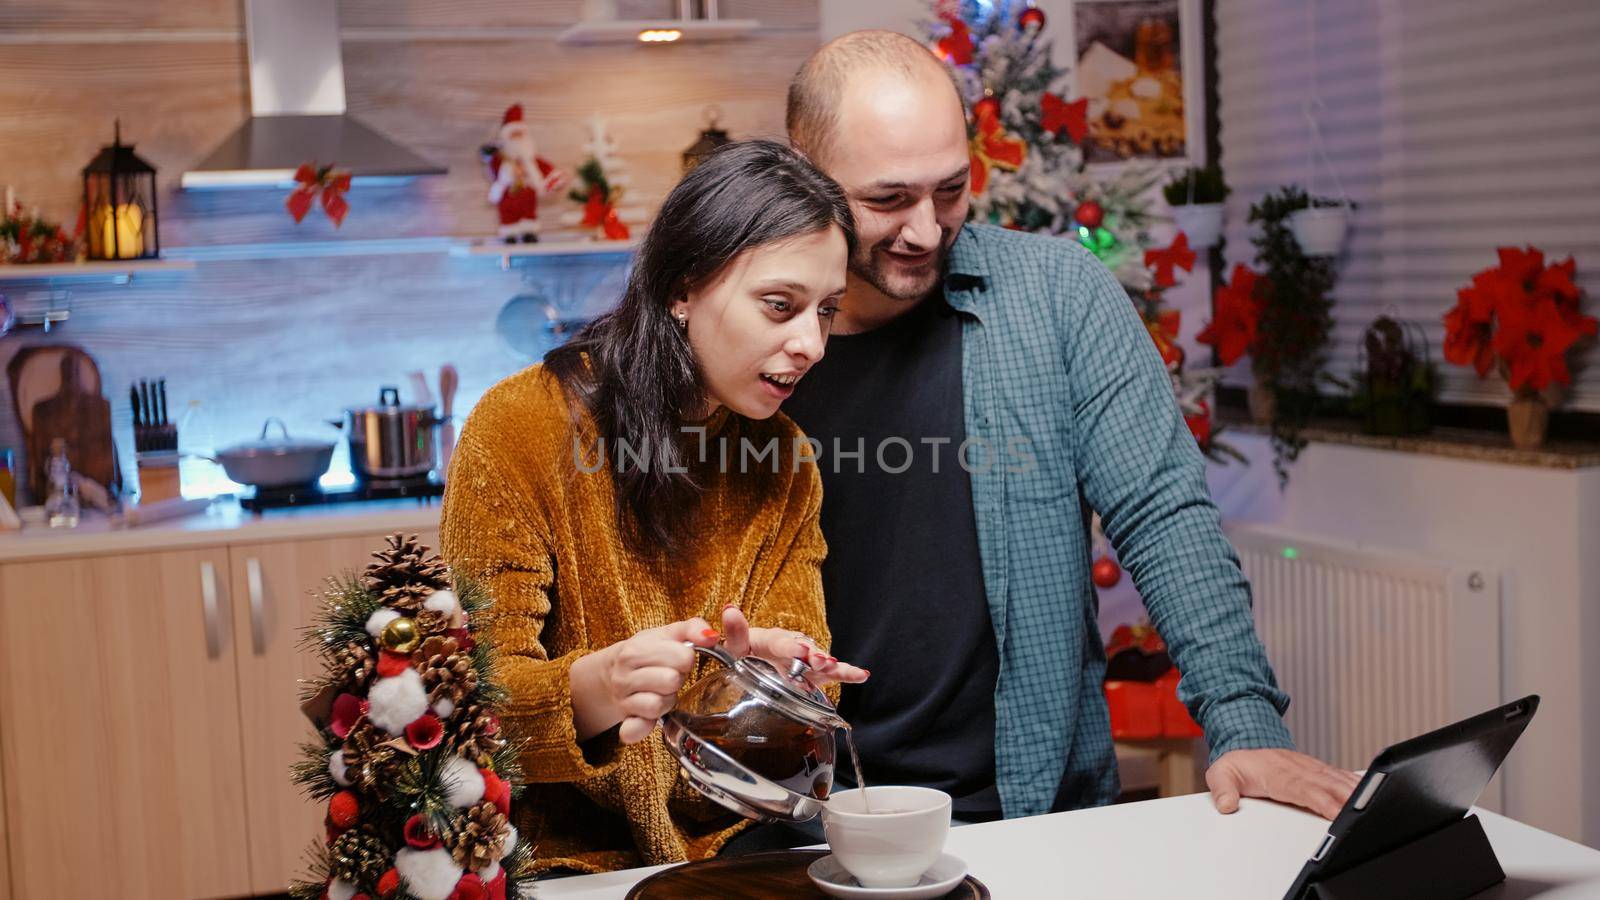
61 509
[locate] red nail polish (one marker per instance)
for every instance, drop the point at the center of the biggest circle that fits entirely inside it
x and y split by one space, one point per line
832 660
728 606
711 633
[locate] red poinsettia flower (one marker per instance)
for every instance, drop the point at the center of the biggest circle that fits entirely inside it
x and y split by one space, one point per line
1469 326
1557 282
1521 266
1232 330
1534 341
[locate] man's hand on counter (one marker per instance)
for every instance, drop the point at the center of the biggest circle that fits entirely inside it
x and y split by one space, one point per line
1281 775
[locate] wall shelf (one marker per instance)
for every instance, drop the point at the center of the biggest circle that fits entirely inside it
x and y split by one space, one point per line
114 272
566 247
628 31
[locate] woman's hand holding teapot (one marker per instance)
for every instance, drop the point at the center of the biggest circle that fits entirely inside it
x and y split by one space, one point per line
780 647
636 681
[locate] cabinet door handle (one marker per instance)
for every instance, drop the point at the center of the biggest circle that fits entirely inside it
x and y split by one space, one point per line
208 602
258 625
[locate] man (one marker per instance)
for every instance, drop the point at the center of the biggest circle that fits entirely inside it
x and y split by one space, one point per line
984 389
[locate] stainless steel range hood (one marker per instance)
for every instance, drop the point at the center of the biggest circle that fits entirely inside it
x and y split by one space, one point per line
297 108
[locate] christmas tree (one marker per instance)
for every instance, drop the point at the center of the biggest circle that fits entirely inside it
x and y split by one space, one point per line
410 759
1027 163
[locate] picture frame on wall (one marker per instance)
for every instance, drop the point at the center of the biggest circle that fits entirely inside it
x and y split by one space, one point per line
1139 63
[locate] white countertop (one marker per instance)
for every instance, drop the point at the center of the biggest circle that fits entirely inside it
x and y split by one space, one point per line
223 522
1181 847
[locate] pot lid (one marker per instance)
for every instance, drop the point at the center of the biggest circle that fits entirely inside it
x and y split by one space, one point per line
276 446
389 405
791 690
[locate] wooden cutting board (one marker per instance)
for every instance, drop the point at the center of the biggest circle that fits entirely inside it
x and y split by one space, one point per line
75 412
759 876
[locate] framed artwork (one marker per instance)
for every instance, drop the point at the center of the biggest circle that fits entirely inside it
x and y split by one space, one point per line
1139 64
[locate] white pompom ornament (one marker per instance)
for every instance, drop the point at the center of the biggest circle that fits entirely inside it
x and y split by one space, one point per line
397 701
463 783
488 873
337 768
378 620
447 602
340 890
511 841
444 707
428 874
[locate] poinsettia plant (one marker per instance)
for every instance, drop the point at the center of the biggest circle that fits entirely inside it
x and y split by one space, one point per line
1519 318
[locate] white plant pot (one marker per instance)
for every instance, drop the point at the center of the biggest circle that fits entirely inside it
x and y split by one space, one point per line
1201 223
1320 230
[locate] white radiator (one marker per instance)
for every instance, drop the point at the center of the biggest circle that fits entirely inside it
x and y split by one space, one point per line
1372 646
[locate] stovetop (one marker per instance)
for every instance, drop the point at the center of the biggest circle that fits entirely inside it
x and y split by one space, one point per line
424 489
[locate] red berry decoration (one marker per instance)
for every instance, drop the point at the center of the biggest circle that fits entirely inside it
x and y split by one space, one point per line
497 887
987 108
389 884
343 810
391 664
1105 573
470 887
1031 18
1089 214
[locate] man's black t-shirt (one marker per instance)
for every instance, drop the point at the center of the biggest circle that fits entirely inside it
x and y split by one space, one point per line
903 578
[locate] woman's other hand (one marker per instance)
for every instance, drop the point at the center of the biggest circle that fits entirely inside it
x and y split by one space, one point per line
780 647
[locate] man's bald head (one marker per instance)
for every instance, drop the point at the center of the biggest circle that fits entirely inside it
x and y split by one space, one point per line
818 88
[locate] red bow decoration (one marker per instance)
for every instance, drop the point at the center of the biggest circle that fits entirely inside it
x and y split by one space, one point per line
957 45
1178 255
1057 114
991 146
325 180
600 212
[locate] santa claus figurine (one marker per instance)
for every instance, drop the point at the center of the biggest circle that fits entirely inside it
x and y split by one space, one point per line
520 177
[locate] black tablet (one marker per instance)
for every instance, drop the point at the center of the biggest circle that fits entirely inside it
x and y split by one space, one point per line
1416 788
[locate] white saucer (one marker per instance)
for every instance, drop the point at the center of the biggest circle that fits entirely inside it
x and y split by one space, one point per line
941 879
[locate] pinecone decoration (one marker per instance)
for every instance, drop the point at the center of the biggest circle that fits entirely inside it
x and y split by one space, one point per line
447 673
370 764
477 735
358 856
353 664
431 622
477 836
405 574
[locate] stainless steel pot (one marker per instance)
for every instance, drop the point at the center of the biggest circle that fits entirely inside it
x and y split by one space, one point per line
276 462
391 440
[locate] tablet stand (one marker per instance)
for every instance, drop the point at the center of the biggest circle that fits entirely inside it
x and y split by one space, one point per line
1449 864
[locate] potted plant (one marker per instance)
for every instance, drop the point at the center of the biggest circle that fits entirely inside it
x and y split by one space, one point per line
1320 226
1395 382
1521 318
1196 198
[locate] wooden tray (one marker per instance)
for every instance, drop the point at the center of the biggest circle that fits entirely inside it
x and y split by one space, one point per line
759 876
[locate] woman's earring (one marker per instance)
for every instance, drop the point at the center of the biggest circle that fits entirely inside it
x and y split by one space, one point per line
683 319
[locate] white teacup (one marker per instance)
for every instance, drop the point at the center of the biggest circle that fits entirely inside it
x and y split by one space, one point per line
894 844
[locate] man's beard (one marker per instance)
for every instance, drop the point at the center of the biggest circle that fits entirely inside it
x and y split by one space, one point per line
897 286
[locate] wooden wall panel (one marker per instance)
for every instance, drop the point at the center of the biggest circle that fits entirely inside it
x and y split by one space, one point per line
120 15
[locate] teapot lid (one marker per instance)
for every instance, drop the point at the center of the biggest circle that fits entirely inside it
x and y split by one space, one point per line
792 689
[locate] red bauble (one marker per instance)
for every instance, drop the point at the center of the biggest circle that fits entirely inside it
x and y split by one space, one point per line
343 810
391 664
986 108
1105 573
470 887
1172 355
1089 214
1032 17
389 884
360 897
496 791
418 837
425 733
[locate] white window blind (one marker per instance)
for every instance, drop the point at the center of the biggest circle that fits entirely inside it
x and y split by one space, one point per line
1456 125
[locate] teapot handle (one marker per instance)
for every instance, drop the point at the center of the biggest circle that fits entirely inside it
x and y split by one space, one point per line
715 651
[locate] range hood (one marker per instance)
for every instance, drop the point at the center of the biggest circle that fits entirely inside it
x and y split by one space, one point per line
297 108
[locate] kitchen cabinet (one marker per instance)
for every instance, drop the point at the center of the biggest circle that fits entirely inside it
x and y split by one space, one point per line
277 588
149 710
119 727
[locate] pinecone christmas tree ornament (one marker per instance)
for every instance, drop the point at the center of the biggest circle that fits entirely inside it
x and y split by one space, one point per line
359 856
405 574
447 673
354 663
432 622
477 836
371 762
476 734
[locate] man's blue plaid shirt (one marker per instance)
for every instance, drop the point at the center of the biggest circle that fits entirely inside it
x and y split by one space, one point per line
1056 361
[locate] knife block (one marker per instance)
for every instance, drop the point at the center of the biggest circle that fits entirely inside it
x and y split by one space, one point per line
158 477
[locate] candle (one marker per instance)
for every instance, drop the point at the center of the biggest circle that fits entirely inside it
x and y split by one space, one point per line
118 235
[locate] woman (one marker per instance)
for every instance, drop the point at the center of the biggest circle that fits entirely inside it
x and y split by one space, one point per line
609 501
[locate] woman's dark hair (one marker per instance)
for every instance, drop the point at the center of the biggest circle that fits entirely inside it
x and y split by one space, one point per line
641 381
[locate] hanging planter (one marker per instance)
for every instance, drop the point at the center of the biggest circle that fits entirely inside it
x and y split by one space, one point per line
1320 230
1196 198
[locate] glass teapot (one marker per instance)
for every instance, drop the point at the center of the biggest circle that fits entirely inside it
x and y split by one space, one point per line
755 739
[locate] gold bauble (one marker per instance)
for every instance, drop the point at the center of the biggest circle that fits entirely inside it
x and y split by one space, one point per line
401 635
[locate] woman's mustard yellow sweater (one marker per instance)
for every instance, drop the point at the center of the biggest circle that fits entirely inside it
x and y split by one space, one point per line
523 518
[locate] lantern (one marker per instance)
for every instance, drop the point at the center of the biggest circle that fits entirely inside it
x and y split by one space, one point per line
711 137
119 202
